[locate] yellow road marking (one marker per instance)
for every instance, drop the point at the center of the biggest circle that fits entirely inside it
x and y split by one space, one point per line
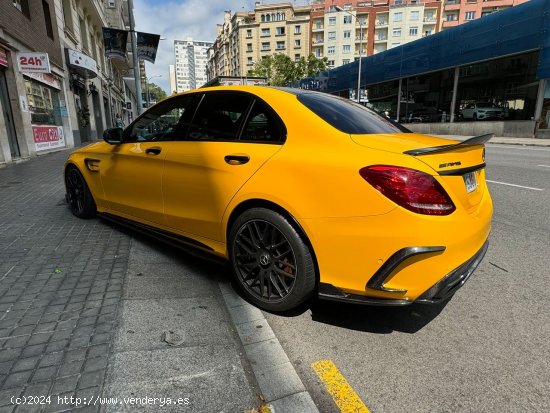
338 387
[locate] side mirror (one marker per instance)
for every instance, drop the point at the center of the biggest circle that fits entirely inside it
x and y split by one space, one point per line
113 136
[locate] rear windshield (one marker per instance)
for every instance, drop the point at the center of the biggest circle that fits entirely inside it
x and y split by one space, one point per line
348 116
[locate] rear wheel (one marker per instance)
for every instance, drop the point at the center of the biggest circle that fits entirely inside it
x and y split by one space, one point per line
79 197
270 261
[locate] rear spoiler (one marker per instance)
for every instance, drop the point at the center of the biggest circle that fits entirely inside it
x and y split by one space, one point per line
476 140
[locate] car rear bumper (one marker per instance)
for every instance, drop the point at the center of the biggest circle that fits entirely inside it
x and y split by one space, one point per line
441 291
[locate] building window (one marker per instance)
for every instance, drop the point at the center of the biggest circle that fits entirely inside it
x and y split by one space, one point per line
413 31
249 61
395 44
68 15
265 32
396 32
332 35
330 63
297 43
22 6
346 48
331 49
451 17
280 45
318 52
297 29
280 31
415 15
265 46
398 17
345 61
249 47
83 33
47 19
249 34
347 34
470 15
347 19
332 21
297 57
262 18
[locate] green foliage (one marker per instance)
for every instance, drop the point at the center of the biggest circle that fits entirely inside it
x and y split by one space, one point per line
280 69
156 92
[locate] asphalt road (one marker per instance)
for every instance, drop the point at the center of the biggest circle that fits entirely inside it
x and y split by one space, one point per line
486 350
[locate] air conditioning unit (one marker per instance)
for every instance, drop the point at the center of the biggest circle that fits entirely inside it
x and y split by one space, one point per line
111 4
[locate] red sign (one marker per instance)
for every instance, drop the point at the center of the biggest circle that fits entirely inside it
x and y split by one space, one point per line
48 137
3 57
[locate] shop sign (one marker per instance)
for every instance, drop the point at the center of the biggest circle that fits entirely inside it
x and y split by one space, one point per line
81 64
31 62
46 78
3 57
48 137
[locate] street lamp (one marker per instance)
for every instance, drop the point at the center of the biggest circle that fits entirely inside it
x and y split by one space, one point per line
338 8
147 81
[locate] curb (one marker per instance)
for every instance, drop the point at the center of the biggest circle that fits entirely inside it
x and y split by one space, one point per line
280 385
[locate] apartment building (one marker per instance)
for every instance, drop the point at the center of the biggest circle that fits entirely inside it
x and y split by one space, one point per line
456 12
246 37
191 63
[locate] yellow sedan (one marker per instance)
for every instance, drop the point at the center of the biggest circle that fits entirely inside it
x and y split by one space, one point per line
303 193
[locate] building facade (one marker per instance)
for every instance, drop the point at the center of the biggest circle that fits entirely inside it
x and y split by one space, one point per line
457 12
98 89
191 63
33 103
498 84
66 93
246 37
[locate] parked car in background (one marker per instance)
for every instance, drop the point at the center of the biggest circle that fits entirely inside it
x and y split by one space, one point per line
302 192
483 111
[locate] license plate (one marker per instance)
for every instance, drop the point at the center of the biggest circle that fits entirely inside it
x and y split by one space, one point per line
470 182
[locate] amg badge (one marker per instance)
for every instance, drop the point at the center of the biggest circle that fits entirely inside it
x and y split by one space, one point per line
448 165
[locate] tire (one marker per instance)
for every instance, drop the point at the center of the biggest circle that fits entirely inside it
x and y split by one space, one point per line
271 263
79 198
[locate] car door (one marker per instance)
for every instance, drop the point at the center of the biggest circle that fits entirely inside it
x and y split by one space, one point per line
132 173
231 136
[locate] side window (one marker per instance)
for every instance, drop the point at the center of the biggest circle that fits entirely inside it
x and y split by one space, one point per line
165 122
262 125
219 116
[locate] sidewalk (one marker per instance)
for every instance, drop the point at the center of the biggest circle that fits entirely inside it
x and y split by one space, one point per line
91 311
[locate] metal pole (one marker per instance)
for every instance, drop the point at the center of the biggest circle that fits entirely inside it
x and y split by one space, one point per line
360 52
135 57
147 89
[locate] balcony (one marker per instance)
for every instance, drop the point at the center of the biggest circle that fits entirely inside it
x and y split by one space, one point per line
318 42
317 29
380 39
381 23
430 20
359 39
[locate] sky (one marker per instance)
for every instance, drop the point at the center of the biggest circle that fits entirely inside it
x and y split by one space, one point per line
180 19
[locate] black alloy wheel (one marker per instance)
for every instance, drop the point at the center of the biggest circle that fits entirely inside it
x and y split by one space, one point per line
79 197
271 262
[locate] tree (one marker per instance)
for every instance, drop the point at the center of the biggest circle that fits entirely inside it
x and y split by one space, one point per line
156 93
281 70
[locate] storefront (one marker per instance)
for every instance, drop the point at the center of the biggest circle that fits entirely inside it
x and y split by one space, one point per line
46 108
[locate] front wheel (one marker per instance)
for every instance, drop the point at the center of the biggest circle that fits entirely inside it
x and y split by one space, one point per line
80 199
270 260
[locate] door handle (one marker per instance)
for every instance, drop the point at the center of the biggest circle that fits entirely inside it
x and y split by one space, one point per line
153 151
236 159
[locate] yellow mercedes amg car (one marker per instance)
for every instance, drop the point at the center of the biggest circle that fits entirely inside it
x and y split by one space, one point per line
302 192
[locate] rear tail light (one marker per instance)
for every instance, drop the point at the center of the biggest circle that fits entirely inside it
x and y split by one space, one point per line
414 190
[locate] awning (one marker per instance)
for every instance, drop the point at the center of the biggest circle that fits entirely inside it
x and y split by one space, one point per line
81 64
